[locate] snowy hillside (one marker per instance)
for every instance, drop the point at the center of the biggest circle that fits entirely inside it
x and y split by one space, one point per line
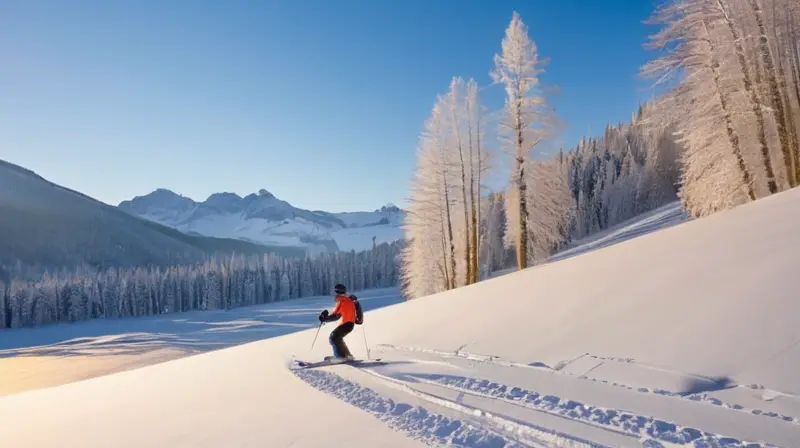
265 219
682 337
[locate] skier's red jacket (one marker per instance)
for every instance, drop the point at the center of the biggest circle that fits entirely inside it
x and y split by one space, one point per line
346 308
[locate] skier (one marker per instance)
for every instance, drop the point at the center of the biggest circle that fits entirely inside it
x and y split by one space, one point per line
349 310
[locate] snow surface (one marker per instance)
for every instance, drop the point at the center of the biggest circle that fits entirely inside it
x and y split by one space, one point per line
51 355
686 336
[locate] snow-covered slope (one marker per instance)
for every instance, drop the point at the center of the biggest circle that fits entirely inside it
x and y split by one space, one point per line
685 336
265 219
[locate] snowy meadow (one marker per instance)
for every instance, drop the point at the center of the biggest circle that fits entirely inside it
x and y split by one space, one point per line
31 358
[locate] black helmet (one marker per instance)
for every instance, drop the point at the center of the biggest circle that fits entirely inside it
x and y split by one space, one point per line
339 289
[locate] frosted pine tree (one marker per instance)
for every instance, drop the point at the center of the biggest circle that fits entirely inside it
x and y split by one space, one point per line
551 206
526 123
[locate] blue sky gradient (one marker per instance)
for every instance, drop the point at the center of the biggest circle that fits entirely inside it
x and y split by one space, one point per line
319 102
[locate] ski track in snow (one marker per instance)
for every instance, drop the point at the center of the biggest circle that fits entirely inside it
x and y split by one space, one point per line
433 428
635 425
415 421
703 397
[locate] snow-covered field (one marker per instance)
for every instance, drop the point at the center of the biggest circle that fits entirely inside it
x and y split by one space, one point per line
31 358
686 336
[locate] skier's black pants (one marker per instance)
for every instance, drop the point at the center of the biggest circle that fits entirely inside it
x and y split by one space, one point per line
336 339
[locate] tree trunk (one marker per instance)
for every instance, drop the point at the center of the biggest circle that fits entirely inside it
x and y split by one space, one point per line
522 231
757 109
467 240
793 84
732 135
473 234
444 253
450 241
795 50
785 72
776 99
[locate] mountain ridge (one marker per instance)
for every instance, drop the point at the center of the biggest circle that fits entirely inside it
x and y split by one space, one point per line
263 218
388 207
49 225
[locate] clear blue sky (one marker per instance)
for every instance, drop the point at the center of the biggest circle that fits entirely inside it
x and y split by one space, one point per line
319 102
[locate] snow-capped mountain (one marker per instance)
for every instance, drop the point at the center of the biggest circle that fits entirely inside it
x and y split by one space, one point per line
263 218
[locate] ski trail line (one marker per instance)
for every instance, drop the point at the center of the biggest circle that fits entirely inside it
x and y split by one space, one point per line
510 423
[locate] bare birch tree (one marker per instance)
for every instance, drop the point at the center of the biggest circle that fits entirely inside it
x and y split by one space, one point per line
443 221
429 263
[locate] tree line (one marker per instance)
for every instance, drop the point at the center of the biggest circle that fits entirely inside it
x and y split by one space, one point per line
722 129
455 236
71 295
731 71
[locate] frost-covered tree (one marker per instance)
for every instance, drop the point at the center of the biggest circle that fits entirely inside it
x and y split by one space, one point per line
495 255
477 167
772 74
734 98
631 169
715 174
552 208
526 123
429 263
442 224
86 293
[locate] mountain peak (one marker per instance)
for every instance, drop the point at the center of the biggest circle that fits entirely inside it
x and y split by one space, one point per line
263 218
389 208
159 199
223 196
163 192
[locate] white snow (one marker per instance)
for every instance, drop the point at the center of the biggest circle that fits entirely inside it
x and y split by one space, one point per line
267 220
233 225
291 232
360 238
360 219
684 336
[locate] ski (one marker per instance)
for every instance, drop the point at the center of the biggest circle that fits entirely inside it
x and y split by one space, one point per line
333 362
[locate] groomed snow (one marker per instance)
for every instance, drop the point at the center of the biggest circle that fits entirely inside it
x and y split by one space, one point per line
685 336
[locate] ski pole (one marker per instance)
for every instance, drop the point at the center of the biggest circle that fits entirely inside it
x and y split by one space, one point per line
315 336
364 332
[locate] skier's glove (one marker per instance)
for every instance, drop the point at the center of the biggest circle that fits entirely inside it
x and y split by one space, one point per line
323 316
